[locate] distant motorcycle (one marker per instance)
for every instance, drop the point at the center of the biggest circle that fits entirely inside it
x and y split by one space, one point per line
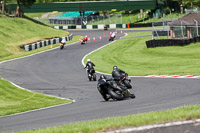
83 41
109 88
62 46
91 74
111 38
105 27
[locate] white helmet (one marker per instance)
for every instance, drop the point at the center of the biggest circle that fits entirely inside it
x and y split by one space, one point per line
88 60
63 41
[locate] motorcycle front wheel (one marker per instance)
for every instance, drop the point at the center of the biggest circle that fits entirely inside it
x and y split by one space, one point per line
103 94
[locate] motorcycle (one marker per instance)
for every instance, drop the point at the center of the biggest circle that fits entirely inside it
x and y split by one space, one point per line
105 27
111 38
91 75
126 80
83 41
109 88
62 45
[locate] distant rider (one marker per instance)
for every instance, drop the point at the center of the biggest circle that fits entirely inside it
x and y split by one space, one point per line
89 65
113 35
63 42
85 39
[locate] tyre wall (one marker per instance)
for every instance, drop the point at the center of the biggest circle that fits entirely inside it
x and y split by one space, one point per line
37 45
171 42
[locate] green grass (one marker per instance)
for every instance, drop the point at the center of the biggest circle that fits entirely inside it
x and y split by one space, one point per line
15 32
135 58
133 53
166 17
32 15
181 113
14 100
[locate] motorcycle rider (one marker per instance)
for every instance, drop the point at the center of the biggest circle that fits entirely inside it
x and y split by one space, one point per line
62 43
116 74
89 65
85 39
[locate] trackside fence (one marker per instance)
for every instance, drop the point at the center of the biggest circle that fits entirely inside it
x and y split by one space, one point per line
171 42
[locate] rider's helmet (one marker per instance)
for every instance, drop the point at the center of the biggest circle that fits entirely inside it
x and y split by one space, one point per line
88 60
114 67
63 41
102 77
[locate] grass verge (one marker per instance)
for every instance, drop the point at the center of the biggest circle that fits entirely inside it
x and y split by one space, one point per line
15 32
181 113
14 100
135 57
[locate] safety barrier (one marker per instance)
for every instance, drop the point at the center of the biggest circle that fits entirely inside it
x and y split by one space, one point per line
37 45
111 26
171 42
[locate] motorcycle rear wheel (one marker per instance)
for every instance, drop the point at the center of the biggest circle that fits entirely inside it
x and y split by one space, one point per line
127 84
114 95
94 77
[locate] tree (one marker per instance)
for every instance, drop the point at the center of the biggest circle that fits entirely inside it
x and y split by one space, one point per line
3 6
26 3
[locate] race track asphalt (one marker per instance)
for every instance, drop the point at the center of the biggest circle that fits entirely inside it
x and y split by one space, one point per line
60 73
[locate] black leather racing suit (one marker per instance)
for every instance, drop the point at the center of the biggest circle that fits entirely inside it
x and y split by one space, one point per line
116 73
90 67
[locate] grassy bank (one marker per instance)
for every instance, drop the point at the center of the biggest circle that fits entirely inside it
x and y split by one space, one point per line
18 31
136 59
181 113
14 100
15 32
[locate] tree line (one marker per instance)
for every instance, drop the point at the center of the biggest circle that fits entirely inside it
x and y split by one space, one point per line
176 4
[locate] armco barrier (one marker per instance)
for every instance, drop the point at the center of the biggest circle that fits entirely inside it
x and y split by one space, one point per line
171 42
37 45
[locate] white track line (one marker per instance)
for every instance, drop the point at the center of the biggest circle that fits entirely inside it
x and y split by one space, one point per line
33 91
95 51
147 127
147 76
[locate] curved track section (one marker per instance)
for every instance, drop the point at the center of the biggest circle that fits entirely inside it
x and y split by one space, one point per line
60 73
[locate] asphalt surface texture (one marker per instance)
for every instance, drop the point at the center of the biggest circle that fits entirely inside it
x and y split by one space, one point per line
60 73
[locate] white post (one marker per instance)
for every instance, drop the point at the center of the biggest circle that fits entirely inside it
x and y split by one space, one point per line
197 27
182 28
